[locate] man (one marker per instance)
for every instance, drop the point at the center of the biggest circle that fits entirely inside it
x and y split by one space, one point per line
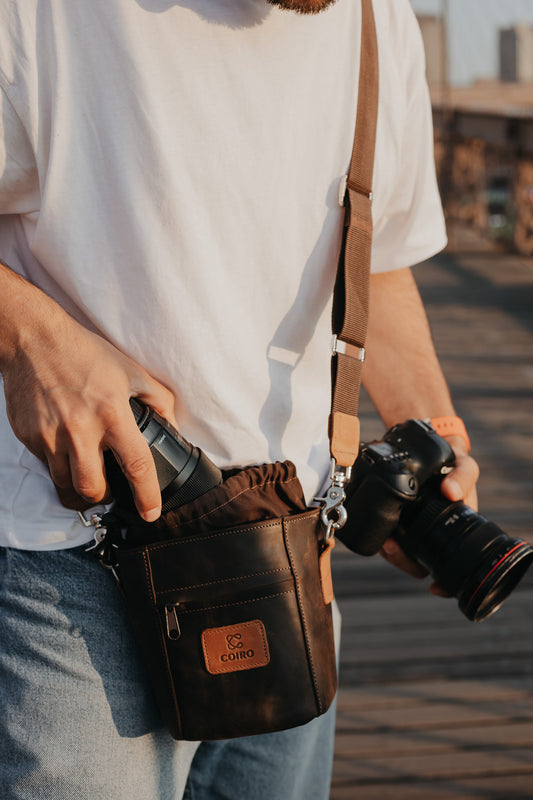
169 175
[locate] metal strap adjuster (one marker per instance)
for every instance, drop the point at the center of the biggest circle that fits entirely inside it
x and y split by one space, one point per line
347 349
343 185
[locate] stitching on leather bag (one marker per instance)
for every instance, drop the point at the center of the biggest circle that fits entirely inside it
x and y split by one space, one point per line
149 577
286 522
204 538
148 568
224 580
238 603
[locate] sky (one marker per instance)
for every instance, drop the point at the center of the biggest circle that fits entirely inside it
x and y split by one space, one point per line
473 38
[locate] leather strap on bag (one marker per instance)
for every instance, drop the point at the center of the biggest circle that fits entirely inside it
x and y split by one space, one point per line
350 303
351 294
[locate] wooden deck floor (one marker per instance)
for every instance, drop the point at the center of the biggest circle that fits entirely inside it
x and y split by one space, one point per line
432 706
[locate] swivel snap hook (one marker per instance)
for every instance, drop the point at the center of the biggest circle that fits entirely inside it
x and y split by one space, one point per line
334 514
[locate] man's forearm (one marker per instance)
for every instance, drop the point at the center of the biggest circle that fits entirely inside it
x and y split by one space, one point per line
21 306
403 377
402 373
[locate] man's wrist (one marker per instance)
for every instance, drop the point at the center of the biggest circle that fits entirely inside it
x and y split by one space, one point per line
451 426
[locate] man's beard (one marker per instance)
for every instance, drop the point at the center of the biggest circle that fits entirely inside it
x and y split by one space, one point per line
303 6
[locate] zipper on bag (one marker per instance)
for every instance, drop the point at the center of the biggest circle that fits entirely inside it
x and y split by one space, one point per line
171 610
171 617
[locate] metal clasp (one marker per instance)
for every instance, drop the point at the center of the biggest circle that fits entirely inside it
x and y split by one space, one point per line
95 520
100 530
105 551
333 514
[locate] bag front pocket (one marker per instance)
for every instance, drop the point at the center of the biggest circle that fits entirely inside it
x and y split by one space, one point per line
248 654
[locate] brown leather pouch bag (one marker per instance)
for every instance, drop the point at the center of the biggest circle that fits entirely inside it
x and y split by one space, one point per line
234 620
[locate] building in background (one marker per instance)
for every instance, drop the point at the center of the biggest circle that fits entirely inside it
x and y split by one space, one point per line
434 36
484 134
516 54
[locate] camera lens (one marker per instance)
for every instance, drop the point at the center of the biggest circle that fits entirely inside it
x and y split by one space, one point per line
470 557
484 593
183 470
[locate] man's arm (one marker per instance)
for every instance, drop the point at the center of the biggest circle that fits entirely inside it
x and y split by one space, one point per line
403 377
67 394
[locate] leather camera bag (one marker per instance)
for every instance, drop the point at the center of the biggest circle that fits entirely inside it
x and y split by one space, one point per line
234 621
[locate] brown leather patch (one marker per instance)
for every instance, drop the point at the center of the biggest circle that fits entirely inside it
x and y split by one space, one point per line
235 647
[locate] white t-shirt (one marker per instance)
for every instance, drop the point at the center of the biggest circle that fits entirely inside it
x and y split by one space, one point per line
169 173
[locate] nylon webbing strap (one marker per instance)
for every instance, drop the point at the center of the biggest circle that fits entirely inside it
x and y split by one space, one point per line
350 301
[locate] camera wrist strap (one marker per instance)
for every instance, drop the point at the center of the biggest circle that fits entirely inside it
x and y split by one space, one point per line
351 293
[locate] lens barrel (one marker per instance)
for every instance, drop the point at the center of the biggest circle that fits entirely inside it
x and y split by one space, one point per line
183 470
487 588
471 558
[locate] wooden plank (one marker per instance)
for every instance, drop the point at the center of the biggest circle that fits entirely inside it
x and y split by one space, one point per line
434 715
457 691
413 671
437 766
417 617
370 744
385 640
424 610
507 787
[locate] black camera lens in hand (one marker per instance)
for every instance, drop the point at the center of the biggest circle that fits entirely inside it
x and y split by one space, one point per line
395 491
184 471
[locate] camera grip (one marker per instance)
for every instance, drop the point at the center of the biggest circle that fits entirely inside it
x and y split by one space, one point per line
373 513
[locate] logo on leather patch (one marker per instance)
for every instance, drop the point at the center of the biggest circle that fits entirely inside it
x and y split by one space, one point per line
235 647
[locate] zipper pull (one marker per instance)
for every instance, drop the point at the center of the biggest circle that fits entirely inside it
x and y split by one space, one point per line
173 626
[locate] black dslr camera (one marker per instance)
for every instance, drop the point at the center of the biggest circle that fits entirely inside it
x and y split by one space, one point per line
395 491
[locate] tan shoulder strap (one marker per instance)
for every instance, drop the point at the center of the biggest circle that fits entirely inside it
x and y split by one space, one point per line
350 302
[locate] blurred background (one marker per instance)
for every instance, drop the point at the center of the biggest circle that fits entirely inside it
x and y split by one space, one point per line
480 71
432 706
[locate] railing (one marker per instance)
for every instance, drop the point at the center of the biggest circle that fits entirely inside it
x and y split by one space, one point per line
485 172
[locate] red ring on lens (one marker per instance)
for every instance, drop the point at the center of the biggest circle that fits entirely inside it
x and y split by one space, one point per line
487 576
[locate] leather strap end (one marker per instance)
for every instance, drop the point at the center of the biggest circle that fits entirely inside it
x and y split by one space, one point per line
326 579
344 438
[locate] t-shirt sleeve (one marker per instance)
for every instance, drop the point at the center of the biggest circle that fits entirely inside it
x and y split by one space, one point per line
412 228
18 171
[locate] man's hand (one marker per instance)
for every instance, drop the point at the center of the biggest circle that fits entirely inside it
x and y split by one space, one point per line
460 484
67 394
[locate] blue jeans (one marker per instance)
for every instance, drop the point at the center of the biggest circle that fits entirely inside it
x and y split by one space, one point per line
77 720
